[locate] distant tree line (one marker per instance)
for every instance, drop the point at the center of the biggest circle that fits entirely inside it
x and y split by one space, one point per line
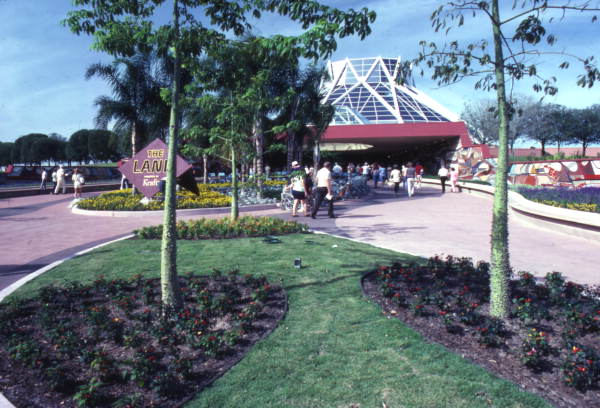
544 123
83 146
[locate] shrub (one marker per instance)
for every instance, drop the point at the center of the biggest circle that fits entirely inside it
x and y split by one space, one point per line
205 228
581 368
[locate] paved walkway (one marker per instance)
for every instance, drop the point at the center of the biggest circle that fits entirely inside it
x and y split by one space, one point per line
38 230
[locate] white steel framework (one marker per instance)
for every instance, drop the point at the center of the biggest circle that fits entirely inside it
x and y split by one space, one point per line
365 91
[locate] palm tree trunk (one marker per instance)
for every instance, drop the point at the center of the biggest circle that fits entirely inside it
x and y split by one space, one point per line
170 290
259 147
205 168
234 187
500 268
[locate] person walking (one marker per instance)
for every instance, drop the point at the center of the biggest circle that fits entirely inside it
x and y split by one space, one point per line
410 179
53 179
443 175
77 183
454 180
44 177
299 188
324 190
382 175
418 175
60 181
375 172
396 177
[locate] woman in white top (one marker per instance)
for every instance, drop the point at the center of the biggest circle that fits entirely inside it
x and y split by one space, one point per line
299 190
77 183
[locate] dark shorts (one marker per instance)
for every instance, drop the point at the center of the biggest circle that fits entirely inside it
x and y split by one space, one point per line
299 195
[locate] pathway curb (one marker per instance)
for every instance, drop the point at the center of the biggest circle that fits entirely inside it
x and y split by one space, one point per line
189 211
572 222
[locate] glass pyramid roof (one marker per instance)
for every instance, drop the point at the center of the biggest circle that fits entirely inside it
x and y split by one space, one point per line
364 91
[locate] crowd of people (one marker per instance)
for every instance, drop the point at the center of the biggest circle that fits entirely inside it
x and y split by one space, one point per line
59 178
409 175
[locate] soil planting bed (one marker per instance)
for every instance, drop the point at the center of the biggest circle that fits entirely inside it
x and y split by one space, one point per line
106 344
549 346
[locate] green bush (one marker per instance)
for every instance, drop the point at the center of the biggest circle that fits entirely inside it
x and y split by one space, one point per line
206 228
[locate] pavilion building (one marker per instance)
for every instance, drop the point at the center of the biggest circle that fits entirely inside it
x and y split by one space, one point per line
400 122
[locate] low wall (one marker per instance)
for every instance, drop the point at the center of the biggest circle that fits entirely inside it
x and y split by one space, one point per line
28 191
578 223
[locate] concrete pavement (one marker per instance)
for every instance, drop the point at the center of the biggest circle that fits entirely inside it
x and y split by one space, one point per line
38 230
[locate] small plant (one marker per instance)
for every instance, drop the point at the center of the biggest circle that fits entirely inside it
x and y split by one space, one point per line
89 395
491 332
534 348
528 311
26 351
581 368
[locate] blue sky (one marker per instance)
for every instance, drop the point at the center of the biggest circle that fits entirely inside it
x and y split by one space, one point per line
43 89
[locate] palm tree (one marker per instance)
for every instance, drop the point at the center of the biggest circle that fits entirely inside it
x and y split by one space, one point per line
136 105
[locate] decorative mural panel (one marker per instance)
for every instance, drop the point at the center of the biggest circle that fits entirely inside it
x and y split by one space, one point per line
473 165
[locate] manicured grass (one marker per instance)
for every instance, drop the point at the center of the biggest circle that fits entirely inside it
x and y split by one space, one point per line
333 349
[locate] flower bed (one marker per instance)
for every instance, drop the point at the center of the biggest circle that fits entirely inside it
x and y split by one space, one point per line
584 199
548 345
211 195
107 344
123 200
205 228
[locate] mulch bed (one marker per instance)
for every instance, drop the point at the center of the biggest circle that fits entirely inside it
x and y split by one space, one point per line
106 344
504 360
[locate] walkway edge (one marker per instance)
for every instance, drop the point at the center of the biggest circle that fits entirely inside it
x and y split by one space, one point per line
189 211
16 285
579 223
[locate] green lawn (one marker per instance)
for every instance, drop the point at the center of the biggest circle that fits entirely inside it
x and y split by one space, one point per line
333 349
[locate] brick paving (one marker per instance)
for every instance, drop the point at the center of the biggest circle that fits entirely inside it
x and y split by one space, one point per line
38 230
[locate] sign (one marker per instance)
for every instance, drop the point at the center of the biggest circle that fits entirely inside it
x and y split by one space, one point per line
149 166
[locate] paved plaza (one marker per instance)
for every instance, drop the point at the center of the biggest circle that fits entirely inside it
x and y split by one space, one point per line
38 230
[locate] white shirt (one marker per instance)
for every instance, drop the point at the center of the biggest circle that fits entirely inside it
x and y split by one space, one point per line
443 172
395 176
337 168
323 176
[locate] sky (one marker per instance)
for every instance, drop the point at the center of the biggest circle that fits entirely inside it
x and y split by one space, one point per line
42 64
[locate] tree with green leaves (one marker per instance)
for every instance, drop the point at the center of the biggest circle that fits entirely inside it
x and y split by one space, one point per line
136 105
5 153
519 39
120 27
585 127
24 150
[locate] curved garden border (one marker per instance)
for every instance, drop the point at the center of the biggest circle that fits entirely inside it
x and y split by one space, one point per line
5 403
189 211
579 223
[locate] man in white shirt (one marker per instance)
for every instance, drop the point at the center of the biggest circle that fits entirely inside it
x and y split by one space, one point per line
60 181
323 190
443 174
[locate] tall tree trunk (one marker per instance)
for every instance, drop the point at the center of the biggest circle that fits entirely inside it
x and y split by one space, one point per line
259 147
584 147
170 290
133 139
291 140
543 142
235 213
500 268
205 168
316 157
